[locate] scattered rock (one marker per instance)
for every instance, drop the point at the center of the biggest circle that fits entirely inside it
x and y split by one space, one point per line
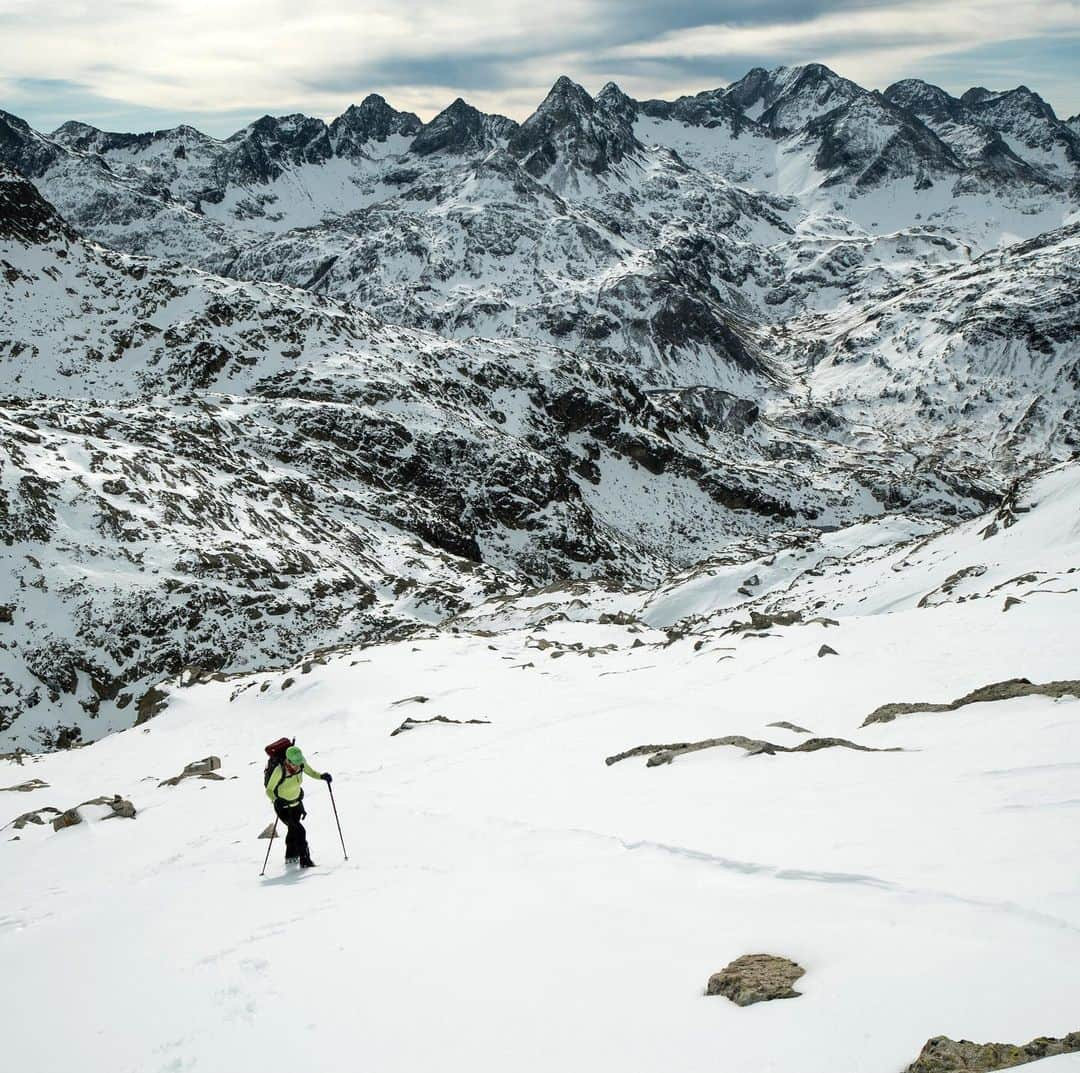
153 702
1007 690
946 588
201 769
760 621
826 650
944 1055
665 754
411 724
67 819
34 817
1011 601
785 725
122 808
418 699
70 817
25 787
756 978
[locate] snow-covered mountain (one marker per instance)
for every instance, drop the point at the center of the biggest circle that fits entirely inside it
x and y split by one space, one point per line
661 517
468 356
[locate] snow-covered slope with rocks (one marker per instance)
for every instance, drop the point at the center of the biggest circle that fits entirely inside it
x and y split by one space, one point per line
924 880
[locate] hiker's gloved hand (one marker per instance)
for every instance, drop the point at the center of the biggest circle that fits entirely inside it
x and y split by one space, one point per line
303 812
327 777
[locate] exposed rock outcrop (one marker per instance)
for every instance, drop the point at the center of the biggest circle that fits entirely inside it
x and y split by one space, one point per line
944 1055
70 817
665 754
25 787
756 978
1007 690
411 724
200 769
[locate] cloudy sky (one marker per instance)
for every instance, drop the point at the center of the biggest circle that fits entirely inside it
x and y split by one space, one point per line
218 64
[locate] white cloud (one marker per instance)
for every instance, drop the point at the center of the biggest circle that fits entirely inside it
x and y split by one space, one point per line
873 45
203 57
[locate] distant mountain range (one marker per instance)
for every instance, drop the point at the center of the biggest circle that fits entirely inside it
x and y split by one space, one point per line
319 382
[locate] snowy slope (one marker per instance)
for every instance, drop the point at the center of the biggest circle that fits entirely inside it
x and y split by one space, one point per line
512 900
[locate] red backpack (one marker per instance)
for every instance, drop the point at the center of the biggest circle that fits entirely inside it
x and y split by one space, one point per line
276 751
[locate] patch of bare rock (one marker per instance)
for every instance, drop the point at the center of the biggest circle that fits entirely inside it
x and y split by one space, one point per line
120 808
944 1055
206 768
665 754
25 787
1007 690
412 724
756 978
61 818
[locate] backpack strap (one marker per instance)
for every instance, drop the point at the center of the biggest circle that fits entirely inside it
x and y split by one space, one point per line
281 765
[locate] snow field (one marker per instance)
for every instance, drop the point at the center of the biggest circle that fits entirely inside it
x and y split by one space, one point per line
510 900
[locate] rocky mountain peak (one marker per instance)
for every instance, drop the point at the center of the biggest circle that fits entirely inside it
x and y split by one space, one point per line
710 108
573 132
23 148
373 119
566 94
750 89
1022 99
76 134
976 95
1032 126
925 100
787 98
270 145
460 128
872 141
619 103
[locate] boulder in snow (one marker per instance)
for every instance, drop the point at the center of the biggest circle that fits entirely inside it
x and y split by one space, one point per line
67 819
202 769
756 978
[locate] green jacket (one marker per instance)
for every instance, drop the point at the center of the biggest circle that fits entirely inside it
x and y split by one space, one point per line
287 787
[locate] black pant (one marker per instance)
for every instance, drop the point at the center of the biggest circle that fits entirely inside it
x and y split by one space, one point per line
295 836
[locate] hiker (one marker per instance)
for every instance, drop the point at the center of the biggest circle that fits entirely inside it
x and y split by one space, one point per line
284 790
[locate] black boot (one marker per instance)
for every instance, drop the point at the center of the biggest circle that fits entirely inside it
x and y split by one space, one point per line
306 862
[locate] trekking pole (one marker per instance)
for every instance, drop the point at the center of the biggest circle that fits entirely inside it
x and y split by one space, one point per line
268 845
340 835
